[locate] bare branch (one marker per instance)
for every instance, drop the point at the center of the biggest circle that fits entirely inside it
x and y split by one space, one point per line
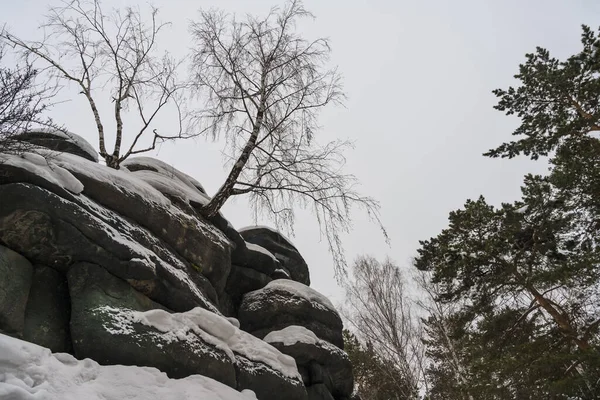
112 51
264 86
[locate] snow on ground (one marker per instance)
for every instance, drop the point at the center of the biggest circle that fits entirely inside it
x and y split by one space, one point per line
44 167
77 140
31 372
212 328
300 290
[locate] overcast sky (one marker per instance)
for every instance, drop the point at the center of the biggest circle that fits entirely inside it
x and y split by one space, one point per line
418 75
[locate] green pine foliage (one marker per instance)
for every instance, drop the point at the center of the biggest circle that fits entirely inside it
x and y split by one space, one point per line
527 274
556 101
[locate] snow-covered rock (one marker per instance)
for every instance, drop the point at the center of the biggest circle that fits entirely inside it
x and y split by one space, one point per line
326 364
100 305
39 169
198 241
280 247
60 140
108 314
134 164
31 372
50 230
282 303
253 256
120 266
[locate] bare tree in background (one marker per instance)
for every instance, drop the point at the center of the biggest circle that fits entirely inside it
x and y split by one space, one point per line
438 333
23 101
265 86
110 51
378 307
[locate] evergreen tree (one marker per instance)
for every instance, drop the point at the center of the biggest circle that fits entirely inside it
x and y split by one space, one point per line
556 102
526 274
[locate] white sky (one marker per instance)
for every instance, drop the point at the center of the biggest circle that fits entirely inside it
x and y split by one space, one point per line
418 75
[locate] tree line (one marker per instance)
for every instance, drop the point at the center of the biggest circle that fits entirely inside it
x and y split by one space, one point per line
509 295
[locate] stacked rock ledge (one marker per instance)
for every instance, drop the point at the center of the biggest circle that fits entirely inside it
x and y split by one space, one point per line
120 267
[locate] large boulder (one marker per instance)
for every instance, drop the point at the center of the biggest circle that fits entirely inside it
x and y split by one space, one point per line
198 241
53 231
283 303
104 329
60 140
253 256
327 364
48 311
187 193
285 252
15 280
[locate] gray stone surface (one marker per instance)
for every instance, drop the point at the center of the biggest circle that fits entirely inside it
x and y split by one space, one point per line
285 252
48 311
15 281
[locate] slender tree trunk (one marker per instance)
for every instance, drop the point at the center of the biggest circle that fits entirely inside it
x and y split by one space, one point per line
99 125
458 369
212 208
113 162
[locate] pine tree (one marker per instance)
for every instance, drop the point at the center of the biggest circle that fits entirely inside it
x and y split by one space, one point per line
526 274
557 101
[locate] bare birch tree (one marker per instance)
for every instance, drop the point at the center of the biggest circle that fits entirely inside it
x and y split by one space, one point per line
437 333
377 305
23 102
110 52
265 86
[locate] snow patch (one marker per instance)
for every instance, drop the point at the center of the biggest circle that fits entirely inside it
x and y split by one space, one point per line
173 187
260 249
123 181
165 169
291 335
300 290
234 321
44 167
31 372
283 272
